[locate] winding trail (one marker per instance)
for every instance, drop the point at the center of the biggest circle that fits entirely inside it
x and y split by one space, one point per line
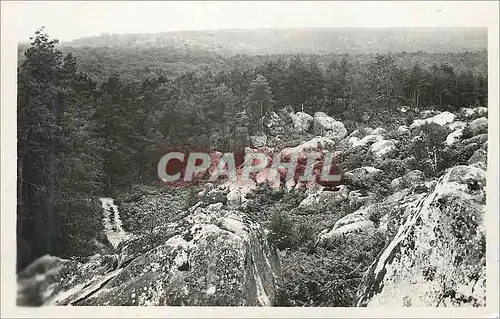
112 222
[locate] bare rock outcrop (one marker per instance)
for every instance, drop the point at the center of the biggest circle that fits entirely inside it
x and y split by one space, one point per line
211 257
437 257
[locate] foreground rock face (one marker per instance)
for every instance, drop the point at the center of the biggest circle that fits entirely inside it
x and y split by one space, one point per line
212 257
437 257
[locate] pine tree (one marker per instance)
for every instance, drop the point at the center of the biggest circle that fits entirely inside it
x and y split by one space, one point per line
40 114
259 103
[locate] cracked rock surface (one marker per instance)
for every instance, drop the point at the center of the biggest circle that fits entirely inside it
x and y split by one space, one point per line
211 257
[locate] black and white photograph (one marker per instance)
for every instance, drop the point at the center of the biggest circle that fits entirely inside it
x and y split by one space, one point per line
322 155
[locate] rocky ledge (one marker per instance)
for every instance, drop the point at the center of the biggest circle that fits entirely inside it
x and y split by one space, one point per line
437 257
211 257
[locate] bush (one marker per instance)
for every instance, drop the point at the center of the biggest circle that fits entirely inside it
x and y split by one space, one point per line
457 154
262 198
327 278
375 213
393 168
410 117
379 184
153 206
354 158
427 147
281 231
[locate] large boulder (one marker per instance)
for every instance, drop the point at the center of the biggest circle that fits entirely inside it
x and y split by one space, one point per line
361 132
51 280
474 111
320 199
480 157
357 134
368 139
325 125
437 257
358 175
442 119
357 198
409 180
454 137
402 129
378 131
373 216
476 140
237 191
302 122
457 125
215 257
353 224
313 145
352 141
479 125
428 113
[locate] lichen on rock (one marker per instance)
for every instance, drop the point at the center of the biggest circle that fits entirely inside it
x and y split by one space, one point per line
210 250
437 257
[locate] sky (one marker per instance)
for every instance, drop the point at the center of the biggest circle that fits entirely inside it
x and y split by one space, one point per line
68 20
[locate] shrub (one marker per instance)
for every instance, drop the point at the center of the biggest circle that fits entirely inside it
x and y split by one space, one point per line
262 198
327 278
281 232
457 154
355 157
393 168
375 213
427 147
410 117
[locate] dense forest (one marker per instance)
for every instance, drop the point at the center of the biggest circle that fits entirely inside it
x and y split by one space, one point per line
92 120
